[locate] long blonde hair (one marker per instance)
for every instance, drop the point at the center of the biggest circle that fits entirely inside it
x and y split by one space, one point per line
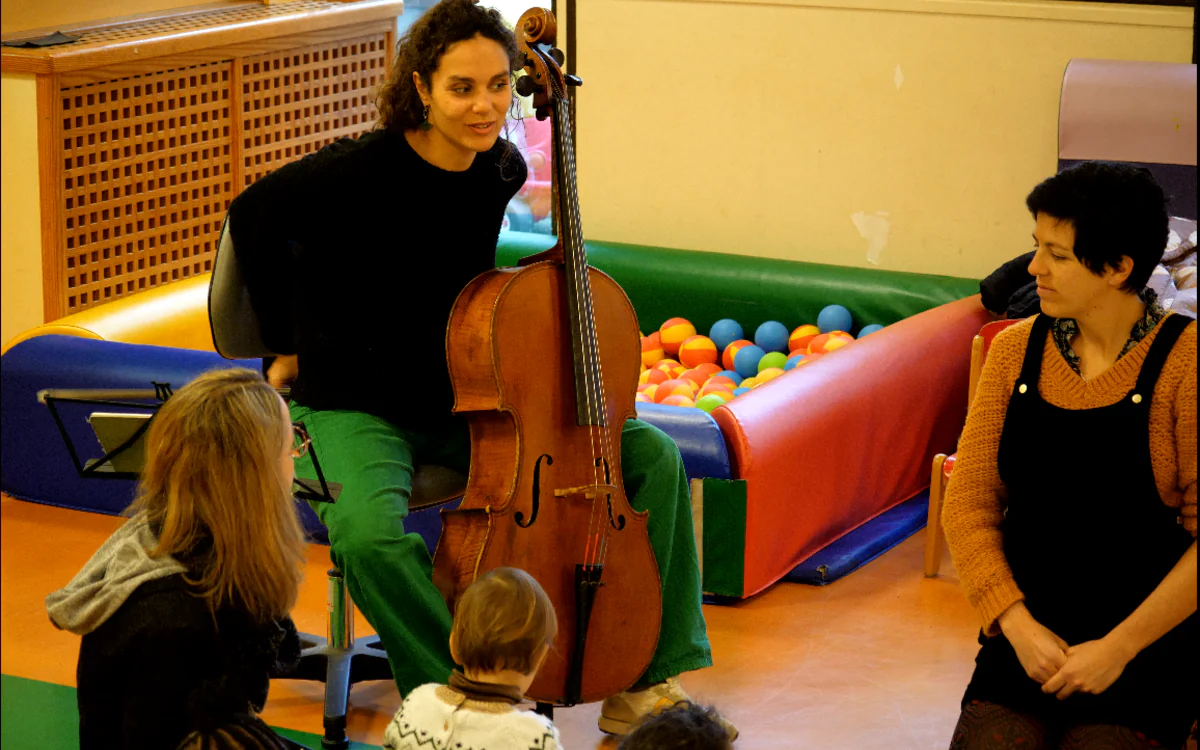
216 492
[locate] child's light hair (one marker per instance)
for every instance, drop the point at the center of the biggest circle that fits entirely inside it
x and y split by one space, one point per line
216 491
503 621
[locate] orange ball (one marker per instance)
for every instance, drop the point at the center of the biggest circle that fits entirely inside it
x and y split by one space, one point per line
827 342
672 388
642 398
654 376
800 338
698 350
711 368
647 390
723 381
731 352
666 363
652 350
696 376
674 332
678 400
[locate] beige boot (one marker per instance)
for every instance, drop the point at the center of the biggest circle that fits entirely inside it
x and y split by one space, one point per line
621 713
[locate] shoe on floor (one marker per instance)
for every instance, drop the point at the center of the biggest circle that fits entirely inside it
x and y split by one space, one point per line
621 713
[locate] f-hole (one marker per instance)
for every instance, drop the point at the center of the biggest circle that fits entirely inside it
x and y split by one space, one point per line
619 522
519 517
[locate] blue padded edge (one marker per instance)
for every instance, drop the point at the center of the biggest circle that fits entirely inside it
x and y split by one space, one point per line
700 441
37 467
36 464
864 544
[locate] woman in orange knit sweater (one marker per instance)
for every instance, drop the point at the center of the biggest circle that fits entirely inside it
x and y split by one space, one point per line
1071 514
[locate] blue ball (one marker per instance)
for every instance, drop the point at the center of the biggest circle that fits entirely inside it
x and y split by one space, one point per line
867 330
792 362
834 318
746 360
772 336
731 375
724 332
740 391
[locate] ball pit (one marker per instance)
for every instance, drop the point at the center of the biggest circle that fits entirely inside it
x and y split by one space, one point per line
683 368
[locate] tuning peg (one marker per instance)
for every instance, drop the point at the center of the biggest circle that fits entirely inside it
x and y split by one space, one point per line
526 86
574 80
558 56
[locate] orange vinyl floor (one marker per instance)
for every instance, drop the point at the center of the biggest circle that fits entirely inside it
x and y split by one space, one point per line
876 660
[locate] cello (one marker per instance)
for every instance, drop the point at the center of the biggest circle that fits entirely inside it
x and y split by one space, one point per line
544 361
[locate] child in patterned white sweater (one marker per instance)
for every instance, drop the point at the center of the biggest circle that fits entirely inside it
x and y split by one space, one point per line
502 631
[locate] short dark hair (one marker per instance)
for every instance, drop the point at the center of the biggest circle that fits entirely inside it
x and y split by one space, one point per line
684 726
1116 209
421 48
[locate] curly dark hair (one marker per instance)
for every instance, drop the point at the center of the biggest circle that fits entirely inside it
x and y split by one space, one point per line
1116 210
684 726
421 48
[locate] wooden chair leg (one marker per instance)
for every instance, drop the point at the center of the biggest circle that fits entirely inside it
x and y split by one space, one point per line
933 528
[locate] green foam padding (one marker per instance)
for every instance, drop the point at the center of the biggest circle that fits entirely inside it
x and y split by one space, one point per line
704 287
724 533
38 715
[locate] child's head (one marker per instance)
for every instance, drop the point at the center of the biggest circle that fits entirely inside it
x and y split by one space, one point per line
684 726
504 621
242 733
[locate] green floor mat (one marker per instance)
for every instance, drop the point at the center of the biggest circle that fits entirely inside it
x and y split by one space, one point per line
43 716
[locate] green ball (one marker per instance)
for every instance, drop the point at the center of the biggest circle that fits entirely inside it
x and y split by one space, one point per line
709 402
772 359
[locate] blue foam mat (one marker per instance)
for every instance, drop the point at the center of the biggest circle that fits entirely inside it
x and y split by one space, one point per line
864 544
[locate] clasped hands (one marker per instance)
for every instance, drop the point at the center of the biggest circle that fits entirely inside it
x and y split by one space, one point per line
1062 669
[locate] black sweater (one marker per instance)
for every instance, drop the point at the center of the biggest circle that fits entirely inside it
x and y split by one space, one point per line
160 667
353 257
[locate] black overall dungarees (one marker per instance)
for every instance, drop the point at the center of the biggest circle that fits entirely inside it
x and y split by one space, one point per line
1088 538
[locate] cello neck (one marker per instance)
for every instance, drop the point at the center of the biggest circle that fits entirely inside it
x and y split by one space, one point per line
589 387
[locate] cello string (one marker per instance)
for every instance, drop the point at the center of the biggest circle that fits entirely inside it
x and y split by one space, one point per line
599 516
572 227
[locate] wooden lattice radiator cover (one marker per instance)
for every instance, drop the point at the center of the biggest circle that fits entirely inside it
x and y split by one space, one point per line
149 158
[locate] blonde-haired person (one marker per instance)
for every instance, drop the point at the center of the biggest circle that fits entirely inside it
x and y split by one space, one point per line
184 609
502 631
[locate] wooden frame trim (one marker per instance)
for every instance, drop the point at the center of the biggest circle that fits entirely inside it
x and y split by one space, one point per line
50 187
223 54
68 59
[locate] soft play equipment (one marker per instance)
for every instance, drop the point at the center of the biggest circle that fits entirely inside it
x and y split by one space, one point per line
778 473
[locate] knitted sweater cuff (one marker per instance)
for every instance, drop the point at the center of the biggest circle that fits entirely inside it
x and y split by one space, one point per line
994 601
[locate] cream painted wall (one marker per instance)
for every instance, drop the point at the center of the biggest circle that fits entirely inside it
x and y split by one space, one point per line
20 212
766 128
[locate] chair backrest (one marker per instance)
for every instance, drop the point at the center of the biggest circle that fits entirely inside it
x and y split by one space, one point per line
237 334
235 328
979 349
